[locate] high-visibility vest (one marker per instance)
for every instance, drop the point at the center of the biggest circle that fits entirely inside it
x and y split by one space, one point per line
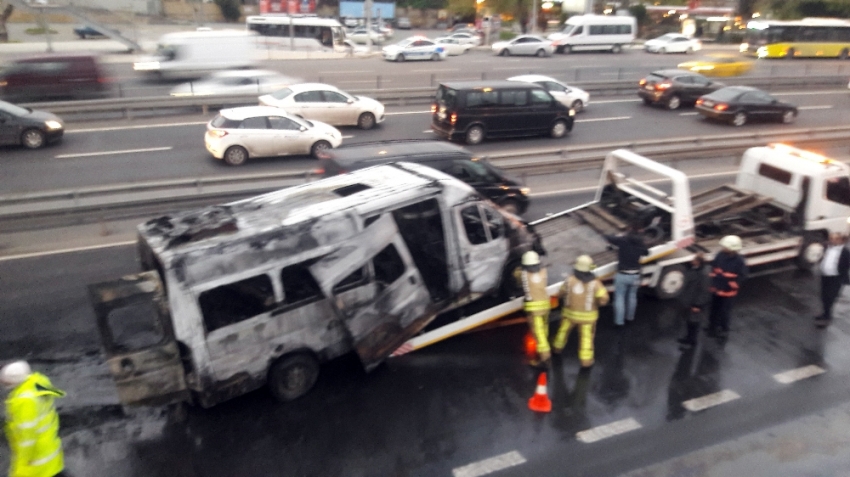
32 429
534 288
582 299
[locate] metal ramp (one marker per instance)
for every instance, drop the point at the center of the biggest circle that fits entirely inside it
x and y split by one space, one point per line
70 10
724 201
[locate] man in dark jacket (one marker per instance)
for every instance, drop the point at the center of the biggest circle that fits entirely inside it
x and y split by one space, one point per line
728 271
693 300
833 275
630 248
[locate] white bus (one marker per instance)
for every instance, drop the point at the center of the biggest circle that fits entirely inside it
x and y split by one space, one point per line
310 32
595 32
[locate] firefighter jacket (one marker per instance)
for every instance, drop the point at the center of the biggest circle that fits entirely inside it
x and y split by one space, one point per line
534 290
32 429
581 296
728 271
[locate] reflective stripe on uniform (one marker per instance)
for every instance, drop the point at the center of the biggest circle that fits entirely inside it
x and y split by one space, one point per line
47 459
580 316
27 443
539 305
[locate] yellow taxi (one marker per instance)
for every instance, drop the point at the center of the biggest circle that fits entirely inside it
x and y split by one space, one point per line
718 65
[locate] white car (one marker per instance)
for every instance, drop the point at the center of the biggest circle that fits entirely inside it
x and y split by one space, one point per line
238 134
569 96
235 82
672 43
328 104
524 45
452 46
361 36
466 38
414 48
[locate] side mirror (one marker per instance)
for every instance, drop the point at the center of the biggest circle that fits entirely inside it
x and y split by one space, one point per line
302 129
350 101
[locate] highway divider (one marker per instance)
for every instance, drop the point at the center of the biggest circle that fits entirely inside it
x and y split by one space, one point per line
131 107
158 197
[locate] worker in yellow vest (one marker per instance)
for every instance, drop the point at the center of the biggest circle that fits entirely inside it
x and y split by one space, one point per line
533 278
581 296
32 424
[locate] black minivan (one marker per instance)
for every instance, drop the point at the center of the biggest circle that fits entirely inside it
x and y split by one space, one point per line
472 110
451 159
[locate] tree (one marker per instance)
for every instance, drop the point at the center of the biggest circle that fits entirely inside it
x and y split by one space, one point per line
4 16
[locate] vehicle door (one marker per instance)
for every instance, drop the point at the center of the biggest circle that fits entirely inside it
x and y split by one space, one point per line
701 86
542 109
141 351
9 130
482 245
255 135
515 114
685 88
679 44
424 49
290 136
379 293
340 108
484 106
311 105
757 105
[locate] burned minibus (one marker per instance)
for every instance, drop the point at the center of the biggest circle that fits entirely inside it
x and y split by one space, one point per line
263 290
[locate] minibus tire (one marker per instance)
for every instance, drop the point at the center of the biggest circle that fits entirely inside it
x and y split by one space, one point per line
671 282
292 376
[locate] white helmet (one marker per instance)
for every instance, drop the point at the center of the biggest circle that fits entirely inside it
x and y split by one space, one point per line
731 242
584 263
15 373
530 258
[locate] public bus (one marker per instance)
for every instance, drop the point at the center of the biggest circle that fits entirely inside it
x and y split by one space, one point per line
806 38
309 31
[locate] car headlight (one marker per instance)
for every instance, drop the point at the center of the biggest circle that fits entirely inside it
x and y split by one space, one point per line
527 190
572 112
53 125
3 83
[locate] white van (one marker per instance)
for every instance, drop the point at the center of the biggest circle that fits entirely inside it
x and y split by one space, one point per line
595 32
193 54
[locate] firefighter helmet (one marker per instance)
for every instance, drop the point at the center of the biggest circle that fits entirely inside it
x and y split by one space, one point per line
530 258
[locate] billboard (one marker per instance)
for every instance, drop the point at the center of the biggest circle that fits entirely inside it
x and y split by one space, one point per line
385 10
287 6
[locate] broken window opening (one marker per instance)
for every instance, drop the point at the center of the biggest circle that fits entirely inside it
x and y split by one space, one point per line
495 224
389 266
235 302
356 279
299 285
473 225
135 326
421 227
352 189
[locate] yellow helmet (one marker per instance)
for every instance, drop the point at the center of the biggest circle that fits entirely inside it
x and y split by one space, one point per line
530 258
731 242
583 263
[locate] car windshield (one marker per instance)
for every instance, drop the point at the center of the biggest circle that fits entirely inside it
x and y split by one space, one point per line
281 93
12 109
568 29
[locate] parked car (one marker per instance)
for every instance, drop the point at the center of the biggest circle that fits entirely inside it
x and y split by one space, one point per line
569 96
718 64
44 77
456 161
361 36
238 134
414 48
467 38
472 110
234 82
350 22
741 104
452 46
672 88
29 128
403 23
524 45
86 31
326 103
672 43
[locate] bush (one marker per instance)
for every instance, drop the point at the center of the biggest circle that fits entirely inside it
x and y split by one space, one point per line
506 35
229 9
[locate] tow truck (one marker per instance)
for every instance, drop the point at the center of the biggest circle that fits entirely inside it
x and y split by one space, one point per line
783 204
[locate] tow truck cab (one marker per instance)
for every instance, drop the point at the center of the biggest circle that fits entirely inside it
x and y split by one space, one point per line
265 289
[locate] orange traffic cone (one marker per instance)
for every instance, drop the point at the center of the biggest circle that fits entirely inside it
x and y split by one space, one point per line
540 401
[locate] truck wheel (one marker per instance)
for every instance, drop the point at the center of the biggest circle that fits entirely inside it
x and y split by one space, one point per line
811 252
474 135
290 377
671 282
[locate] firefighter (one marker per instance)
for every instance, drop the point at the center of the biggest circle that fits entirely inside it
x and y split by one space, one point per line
32 424
581 296
728 271
533 278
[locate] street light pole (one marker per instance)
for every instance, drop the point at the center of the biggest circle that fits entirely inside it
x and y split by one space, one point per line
534 17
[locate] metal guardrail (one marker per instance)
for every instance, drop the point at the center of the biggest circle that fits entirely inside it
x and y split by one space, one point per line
398 96
117 197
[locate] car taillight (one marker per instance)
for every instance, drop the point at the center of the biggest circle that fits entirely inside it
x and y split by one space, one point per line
454 118
318 171
101 79
699 101
663 85
217 133
721 107
642 82
433 108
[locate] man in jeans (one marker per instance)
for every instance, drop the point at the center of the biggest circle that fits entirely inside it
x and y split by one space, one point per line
630 248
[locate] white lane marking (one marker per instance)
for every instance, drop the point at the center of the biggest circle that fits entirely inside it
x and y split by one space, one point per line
615 118
371 81
140 126
710 400
792 375
688 114
613 101
66 250
488 466
809 93
444 70
108 153
815 107
428 131
596 187
338 72
608 430
406 112
513 68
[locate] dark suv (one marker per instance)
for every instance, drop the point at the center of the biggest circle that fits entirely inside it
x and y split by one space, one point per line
673 88
46 77
451 159
472 110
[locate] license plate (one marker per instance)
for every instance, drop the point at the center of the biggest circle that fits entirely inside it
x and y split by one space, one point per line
708 104
441 115
649 87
